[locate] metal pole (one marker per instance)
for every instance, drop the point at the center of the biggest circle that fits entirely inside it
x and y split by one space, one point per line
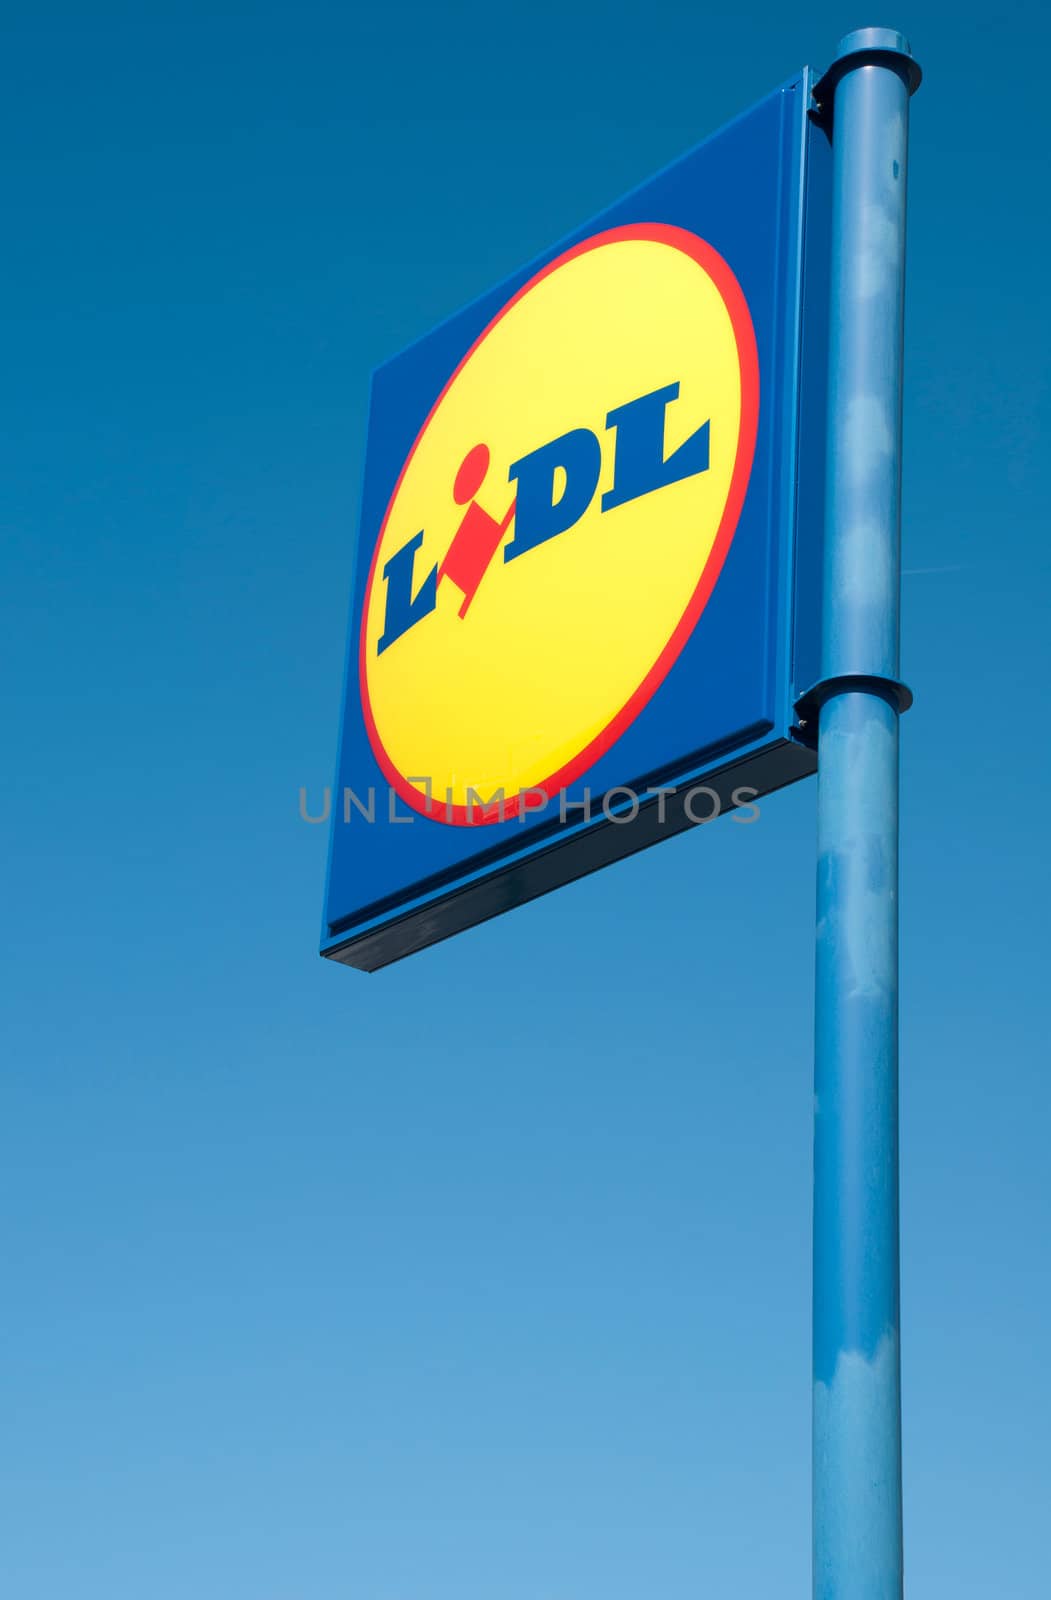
857 1390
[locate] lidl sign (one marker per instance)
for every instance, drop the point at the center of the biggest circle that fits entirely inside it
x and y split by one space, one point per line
586 575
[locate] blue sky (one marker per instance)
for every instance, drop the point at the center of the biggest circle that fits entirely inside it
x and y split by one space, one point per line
486 1278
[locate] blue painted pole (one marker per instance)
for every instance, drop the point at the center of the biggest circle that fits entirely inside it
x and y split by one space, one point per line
857 1389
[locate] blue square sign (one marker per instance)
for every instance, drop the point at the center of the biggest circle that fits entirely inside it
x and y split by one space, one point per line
586 588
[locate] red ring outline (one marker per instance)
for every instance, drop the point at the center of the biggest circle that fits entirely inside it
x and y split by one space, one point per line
733 298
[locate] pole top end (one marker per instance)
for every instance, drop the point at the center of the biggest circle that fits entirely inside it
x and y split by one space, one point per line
872 46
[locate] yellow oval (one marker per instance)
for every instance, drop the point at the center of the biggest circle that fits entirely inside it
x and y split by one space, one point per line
559 650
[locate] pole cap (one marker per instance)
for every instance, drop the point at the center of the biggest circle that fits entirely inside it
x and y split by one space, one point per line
884 47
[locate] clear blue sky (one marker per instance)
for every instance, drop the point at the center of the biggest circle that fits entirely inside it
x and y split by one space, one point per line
486 1278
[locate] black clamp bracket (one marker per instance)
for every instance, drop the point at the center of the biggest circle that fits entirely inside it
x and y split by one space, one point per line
878 47
819 110
807 708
